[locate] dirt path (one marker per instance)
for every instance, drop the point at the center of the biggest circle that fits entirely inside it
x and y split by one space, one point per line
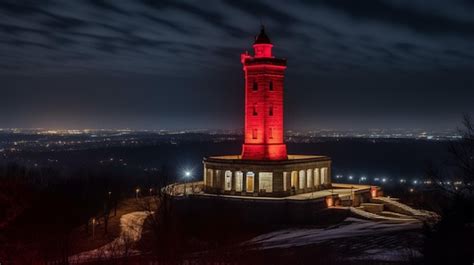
131 225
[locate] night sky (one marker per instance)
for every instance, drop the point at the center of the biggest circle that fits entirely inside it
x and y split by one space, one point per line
176 64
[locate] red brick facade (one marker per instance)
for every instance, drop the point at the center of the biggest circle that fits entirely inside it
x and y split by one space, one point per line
264 82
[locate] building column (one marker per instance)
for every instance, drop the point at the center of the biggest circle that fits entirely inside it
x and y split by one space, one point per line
278 182
232 180
210 177
244 181
329 174
256 184
218 179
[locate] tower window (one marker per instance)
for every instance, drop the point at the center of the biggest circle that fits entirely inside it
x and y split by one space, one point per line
254 133
270 86
270 111
255 86
270 133
255 110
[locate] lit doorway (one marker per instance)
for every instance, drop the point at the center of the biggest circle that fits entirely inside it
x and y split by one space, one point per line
250 182
294 180
265 181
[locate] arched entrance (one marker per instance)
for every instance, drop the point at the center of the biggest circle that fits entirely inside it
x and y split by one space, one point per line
249 187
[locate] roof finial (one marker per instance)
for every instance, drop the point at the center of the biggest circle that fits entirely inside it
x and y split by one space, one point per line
262 26
262 37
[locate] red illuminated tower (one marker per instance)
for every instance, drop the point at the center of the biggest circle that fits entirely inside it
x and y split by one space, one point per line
264 75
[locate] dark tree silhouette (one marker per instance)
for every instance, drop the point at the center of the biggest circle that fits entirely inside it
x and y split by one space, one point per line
450 241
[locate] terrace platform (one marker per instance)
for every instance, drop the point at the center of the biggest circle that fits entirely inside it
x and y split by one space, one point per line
338 194
299 174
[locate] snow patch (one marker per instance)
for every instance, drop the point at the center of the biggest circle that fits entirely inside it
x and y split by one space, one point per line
389 255
350 227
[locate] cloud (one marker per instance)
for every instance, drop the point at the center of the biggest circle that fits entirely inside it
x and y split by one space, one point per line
338 34
382 11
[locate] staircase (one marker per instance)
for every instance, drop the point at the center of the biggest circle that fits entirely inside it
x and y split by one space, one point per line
384 208
400 208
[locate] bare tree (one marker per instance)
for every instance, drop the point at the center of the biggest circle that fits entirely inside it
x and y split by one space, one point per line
458 177
450 240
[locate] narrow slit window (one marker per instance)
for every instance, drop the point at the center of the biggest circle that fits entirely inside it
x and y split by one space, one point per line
270 86
254 112
270 111
255 86
254 133
270 133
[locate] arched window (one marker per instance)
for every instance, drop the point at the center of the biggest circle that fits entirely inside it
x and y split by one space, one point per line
316 177
324 175
255 110
270 86
209 177
270 133
309 178
265 181
255 86
249 187
254 133
302 177
270 111
294 179
239 176
228 180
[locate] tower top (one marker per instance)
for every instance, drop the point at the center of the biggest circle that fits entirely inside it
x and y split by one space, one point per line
262 45
262 37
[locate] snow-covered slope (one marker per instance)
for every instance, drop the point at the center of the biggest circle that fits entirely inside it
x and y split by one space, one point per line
350 227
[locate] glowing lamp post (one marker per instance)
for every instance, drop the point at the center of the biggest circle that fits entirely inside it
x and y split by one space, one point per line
137 192
329 201
373 191
187 176
93 228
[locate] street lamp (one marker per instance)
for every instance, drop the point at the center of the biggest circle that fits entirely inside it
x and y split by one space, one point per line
136 193
93 228
187 176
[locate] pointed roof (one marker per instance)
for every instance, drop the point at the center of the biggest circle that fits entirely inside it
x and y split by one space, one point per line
262 38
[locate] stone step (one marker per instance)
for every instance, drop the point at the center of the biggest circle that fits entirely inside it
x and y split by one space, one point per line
372 207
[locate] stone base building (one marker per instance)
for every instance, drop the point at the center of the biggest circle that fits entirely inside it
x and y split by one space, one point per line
232 175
